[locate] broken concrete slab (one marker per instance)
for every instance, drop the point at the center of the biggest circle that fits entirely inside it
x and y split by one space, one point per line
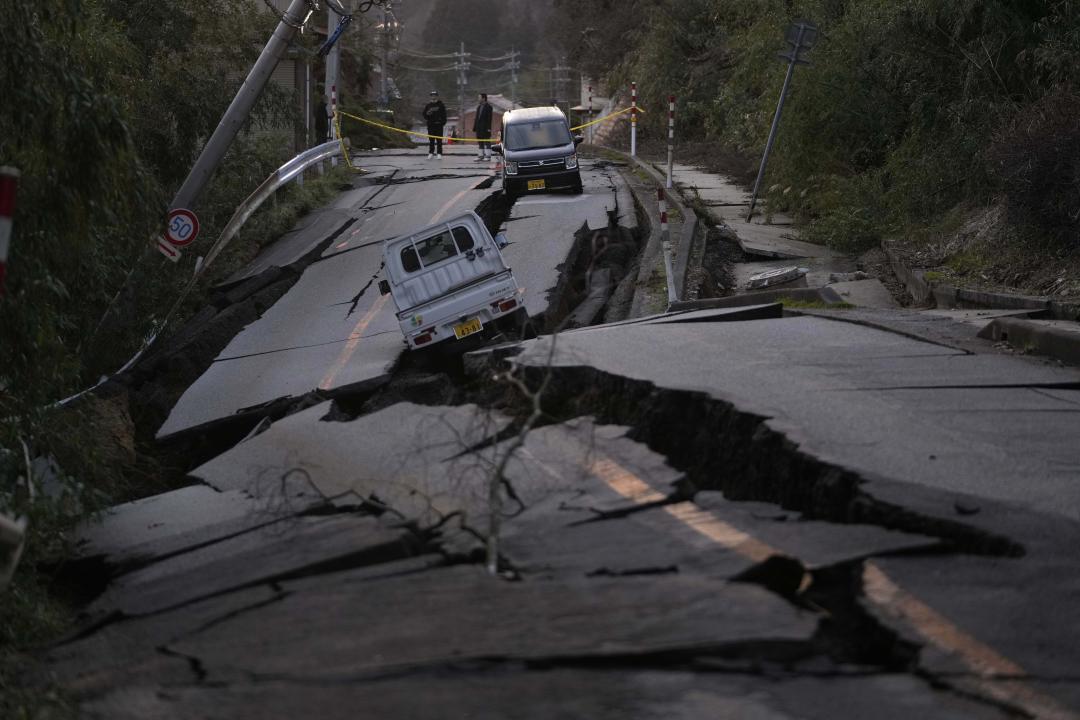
780 242
264 554
461 614
407 456
968 621
817 273
813 543
512 690
838 391
866 293
137 532
311 230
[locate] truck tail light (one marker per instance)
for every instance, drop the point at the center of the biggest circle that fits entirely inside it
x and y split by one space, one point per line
503 305
422 339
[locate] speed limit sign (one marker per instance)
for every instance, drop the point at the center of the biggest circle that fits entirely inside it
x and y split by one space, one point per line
182 228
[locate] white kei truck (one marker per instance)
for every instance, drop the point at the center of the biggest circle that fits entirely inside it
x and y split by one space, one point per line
449 281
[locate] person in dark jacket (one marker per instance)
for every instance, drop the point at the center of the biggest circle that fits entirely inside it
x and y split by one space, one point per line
322 122
482 128
435 116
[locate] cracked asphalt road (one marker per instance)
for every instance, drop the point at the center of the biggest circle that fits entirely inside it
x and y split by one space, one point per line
720 515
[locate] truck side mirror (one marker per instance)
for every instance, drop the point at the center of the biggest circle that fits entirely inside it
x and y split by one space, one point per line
384 287
578 139
497 148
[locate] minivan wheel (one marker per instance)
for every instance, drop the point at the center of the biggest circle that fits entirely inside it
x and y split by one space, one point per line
510 190
576 188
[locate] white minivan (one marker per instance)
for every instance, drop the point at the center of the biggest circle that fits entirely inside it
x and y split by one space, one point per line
449 281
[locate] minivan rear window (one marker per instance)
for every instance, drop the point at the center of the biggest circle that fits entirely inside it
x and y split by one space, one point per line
537 135
436 248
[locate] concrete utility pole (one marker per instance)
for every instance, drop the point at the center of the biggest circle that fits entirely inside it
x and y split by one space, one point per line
633 119
800 36
331 85
462 80
560 81
240 107
383 92
514 65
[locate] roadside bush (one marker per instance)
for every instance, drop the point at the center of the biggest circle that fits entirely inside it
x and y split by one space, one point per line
1036 161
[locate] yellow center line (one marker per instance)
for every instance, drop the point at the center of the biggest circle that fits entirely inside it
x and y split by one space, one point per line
637 490
354 337
1000 677
351 345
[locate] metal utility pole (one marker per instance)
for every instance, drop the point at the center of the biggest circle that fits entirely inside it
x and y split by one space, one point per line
462 80
800 36
240 107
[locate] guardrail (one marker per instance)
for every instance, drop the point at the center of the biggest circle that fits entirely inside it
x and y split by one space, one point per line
272 184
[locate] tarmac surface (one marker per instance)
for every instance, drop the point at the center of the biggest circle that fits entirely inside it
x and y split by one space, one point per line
867 513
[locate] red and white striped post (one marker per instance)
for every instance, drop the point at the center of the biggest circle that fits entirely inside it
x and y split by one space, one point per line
633 119
670 137
665 238
9 182
590 116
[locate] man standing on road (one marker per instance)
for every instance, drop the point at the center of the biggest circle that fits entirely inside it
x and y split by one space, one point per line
482 128
435 116
322 122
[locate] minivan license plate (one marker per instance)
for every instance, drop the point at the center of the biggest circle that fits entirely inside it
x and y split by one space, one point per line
470 326
536 184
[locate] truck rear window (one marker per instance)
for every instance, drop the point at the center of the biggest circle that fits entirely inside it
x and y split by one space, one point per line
436 248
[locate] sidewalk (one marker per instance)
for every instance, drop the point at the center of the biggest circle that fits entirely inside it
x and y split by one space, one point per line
770 244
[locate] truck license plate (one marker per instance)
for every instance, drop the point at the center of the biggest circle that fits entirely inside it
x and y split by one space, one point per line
470 326
536 184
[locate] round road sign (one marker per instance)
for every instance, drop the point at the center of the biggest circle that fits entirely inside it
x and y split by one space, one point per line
182 228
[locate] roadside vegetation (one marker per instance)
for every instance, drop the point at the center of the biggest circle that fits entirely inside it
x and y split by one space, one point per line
947 125
105 106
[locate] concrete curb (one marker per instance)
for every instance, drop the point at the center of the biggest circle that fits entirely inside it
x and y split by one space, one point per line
681 261
823 295
1035 336
951 296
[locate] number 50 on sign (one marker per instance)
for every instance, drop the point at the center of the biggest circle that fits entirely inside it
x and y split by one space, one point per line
182 228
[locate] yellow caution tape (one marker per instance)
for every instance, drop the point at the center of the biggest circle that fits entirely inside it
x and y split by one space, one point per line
338 114
605 118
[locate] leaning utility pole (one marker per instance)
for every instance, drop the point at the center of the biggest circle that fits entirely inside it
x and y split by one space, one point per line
800 36
240 107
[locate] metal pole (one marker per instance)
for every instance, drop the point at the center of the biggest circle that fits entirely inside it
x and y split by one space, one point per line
307 114
665 238
9 183
590 116
633 119
461 89
775 122
670 138
240 108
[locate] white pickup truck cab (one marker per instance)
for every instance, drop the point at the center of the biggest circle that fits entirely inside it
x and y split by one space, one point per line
449 281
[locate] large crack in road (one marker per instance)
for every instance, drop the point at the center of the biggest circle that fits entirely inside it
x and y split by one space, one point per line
663 550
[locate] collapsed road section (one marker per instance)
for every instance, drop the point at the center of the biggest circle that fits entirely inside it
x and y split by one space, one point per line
706 513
